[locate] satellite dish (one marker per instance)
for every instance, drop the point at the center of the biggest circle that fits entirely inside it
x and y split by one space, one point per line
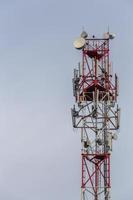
115 136
84 34
79 43
110 36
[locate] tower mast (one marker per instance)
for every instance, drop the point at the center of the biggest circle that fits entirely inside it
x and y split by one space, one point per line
95 113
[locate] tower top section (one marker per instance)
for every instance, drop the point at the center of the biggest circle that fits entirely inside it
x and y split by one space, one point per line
95 70
81 41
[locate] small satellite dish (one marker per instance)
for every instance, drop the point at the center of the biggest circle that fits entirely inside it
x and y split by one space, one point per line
84 34
110 36
79 43
115 136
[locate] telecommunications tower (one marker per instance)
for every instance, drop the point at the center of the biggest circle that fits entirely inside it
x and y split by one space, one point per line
96 113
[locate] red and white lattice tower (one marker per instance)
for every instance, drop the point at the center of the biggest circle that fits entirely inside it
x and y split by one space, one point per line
95 113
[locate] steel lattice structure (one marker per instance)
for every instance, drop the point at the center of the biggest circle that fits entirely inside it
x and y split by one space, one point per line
96 114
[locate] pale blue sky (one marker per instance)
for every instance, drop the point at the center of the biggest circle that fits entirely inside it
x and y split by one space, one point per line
39 152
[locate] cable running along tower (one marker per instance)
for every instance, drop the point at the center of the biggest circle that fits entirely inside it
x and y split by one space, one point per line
95 113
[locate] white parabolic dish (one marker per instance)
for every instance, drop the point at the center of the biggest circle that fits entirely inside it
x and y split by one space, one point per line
79 43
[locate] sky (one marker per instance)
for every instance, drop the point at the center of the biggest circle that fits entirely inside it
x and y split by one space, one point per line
39 151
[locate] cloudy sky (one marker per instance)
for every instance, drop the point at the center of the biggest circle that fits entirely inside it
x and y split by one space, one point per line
39 152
